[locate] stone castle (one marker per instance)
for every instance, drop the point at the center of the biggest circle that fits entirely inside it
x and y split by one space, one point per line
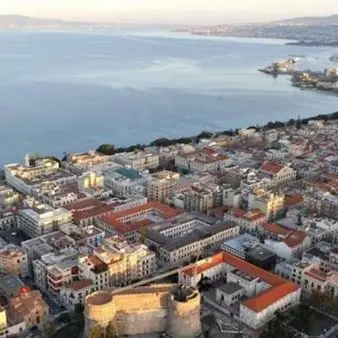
158 308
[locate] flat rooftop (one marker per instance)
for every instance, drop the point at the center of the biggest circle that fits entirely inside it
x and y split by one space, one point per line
260 252
230 288
241 242
199 234
54 176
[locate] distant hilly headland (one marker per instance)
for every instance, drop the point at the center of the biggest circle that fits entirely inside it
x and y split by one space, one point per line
308 31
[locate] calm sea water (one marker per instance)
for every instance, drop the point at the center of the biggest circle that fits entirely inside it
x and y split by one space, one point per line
64 92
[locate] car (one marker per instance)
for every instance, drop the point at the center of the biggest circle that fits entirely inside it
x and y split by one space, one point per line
14 234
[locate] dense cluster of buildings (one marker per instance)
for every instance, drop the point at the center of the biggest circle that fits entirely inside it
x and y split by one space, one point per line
254 215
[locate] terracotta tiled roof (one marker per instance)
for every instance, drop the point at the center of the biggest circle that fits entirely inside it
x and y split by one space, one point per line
26 303
270 296
115 220
80 284
125 228
279 287
271 167
290 237
86 208
199 268
252 215
293 200
316 274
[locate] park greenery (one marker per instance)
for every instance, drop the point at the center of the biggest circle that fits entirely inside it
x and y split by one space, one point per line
99 332
284 324
110 149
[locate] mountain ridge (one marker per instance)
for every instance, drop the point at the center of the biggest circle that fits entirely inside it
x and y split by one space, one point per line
311 20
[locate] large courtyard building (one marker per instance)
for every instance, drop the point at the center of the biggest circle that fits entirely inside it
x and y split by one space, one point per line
263 293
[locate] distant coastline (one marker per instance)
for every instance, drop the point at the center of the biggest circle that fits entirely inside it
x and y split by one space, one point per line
110 149
290 41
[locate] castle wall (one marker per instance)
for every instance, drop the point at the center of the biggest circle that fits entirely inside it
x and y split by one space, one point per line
141 322
144 310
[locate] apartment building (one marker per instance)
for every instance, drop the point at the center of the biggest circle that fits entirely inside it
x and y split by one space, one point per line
126 262
26 178
8 220
86 211
278 173
286 242
124 182
10 327
54 269
62 273
160 185
13 261
94 269
254 181
41 219
74 294
56 195
90 182
198 199
141 160
8 196
79 163
264 292
205 159
311 277
247 220
28 307
269 204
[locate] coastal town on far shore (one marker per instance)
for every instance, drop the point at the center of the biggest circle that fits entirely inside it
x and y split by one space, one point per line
325 80
231 234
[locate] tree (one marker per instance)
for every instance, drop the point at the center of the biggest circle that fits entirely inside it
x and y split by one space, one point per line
298 123
69 331
291 122
64 318
96 332
49 329
107 149
299 220
110 331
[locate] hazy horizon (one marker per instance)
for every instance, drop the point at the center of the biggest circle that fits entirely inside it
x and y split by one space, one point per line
172 12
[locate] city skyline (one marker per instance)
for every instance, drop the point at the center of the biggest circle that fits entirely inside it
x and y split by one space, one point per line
173 12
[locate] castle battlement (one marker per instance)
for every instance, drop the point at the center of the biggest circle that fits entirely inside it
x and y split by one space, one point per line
157 308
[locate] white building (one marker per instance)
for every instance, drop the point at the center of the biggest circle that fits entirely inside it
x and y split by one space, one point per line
202 160
42 219
141 160
247 220
265 292
125 181
278 173
74 294
28 177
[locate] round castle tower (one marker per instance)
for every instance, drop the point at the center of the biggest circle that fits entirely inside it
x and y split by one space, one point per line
184 308
100 310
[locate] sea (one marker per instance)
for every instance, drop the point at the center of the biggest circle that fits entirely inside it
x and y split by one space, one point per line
72 91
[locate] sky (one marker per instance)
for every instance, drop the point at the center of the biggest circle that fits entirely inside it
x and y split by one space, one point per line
169 11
